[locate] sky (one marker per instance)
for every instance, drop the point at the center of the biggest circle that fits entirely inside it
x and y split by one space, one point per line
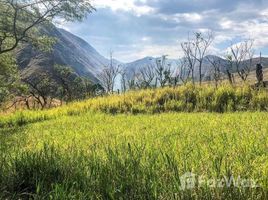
134 29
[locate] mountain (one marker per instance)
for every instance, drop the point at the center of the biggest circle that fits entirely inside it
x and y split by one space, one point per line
136 65
73 51
206 66
69 50
174 63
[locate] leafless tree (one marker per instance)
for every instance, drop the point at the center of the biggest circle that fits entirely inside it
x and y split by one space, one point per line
201 42
229 68
195 50
184 70
190 52
123 74
163 71
109 74
215 72
146 76
241 57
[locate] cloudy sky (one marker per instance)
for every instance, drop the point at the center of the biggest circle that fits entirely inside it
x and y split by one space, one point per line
133 29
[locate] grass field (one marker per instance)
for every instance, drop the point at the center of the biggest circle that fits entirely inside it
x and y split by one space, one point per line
88 150
101 156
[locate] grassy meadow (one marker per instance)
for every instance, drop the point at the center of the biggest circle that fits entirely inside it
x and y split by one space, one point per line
138 146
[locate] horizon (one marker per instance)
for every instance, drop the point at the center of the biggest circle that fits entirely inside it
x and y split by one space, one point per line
117 25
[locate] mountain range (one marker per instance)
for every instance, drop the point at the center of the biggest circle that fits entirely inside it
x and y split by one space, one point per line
73 51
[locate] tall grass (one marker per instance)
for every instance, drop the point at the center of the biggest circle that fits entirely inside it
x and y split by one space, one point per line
99 156
187 98
128 172
79 152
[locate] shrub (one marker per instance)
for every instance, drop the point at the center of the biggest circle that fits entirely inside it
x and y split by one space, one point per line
260 101
224 99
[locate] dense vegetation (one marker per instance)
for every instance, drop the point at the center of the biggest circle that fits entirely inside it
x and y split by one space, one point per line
100 156
188 98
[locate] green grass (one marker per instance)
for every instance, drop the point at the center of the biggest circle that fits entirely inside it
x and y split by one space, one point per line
138 146
91 155
188 98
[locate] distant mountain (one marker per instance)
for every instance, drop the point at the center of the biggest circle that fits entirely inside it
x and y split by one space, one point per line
206 69
174 63
136 65
69 50
73 51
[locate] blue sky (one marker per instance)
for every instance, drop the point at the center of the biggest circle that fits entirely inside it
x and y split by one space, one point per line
134 29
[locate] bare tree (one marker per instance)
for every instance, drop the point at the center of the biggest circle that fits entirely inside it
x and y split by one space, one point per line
184 71
190 52
201 43
241 57
195 50
109 74
229 68
123 74
163 71
20 18
216 65
145 76
132 80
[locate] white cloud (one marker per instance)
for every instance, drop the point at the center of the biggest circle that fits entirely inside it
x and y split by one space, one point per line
146 39
124 5
189 17
133 37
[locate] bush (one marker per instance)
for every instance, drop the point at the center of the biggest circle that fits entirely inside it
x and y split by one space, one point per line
224 99
260 101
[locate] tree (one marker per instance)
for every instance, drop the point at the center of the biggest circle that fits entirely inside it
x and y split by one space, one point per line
72 87
65 76
195 50
202 43
20 19
123 74
9 78
145 77
132 80
189 51
241 57
42 88
109 74
215 72
93 90
62 83
229 68
163 71
184 70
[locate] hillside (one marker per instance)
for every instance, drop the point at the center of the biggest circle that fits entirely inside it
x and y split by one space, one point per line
69 50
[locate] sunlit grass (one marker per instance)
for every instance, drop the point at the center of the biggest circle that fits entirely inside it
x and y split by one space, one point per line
136 156
187 98
138 145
